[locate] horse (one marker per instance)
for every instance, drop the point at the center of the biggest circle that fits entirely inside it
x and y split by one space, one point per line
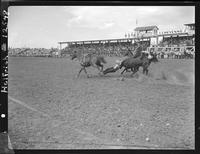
87 60
136 53
148 60
187 54
141 61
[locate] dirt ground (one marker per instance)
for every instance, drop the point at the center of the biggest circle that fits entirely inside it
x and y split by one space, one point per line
49 108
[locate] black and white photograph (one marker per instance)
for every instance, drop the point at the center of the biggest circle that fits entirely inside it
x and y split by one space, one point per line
101 77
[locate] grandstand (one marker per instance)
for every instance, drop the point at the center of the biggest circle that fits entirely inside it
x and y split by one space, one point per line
146 36
113 47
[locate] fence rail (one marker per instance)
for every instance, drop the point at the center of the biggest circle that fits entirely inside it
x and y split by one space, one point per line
172 49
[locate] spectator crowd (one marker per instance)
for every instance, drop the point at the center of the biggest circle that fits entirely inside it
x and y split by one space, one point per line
107 49
177 41
33 52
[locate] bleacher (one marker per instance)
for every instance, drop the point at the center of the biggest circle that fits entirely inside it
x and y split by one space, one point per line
107 49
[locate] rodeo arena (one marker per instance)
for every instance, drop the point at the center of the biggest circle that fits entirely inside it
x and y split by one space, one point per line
134 92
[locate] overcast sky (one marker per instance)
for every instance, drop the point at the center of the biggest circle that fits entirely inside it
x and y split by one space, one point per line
45 26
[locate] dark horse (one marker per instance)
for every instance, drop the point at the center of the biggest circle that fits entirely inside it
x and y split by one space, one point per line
87 60
143 61
137 53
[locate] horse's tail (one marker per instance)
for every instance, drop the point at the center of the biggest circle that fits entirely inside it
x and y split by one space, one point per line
102 59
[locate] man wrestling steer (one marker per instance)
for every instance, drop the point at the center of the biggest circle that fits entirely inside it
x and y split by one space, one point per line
114 68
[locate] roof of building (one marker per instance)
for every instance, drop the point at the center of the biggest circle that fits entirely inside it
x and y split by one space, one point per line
145 28
192 24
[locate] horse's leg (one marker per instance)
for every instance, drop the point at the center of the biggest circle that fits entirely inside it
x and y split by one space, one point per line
147 71
85 72
134 71
80 71
124 70
100 70
100 65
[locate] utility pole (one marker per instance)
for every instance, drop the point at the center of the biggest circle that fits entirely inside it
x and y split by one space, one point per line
136 22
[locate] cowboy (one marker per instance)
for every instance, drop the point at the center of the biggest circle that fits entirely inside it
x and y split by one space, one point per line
137 51
114 68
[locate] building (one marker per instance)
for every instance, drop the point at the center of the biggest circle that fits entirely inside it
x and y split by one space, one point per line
146 31
190 28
